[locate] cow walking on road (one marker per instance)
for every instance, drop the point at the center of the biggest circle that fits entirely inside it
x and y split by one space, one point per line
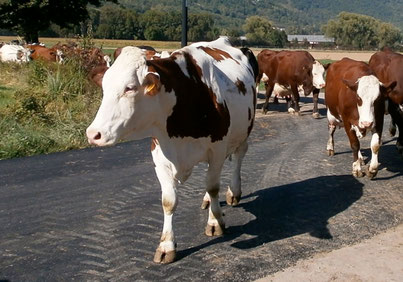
289 74
388 66
198 105
355 99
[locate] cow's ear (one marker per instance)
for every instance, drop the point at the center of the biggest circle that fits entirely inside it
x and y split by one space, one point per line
387 88
327 66
351 84
151 84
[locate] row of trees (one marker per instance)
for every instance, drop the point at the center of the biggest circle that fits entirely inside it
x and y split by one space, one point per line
114 22
27 18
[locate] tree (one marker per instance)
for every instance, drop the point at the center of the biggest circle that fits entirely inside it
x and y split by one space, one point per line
388 35
360 31
201 27
256 29
260 31
28 17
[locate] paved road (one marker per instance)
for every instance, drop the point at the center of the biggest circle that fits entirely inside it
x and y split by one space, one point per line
95 214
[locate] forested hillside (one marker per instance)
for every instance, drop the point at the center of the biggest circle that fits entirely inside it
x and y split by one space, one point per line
296 16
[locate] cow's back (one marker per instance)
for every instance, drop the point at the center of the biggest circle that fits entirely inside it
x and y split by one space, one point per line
214 86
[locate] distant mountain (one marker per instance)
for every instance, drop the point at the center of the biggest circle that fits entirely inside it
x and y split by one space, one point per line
296 16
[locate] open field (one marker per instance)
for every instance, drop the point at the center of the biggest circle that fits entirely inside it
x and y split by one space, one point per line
108 45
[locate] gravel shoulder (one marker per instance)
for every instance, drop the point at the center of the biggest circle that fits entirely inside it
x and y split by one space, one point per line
376 259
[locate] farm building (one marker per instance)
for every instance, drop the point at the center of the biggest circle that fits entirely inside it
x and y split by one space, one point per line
312 40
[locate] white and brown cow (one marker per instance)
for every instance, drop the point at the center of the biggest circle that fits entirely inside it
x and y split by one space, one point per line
289 74
355 99
198 105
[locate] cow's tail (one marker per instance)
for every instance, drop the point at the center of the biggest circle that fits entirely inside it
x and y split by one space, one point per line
252 61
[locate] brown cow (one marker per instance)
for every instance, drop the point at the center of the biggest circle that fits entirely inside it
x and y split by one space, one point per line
355 99
289 74
40 52
97 74
388 66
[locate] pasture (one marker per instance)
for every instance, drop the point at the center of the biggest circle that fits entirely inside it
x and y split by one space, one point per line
45 108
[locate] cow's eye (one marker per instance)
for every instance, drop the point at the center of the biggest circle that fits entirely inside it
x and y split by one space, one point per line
359 101
130 88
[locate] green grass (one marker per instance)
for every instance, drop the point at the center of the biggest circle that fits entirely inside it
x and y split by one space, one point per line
6 96
44 107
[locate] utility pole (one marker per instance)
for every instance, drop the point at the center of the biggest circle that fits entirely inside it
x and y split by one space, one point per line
184 23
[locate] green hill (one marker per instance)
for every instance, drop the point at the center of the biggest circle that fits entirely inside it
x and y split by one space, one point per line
296 16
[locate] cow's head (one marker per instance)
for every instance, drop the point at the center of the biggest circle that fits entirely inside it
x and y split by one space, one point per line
24 55
368 89
130 104
318 72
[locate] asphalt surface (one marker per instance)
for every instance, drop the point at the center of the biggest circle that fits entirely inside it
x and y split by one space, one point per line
95 214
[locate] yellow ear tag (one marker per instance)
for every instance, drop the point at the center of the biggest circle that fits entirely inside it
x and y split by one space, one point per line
150 87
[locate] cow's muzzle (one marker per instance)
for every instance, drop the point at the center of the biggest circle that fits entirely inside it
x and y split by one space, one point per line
95 137
365 124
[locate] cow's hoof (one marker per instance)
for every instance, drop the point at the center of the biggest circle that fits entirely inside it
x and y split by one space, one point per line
358 173
330 153
214 230
371 173
231 199
164 257
205 204
316 115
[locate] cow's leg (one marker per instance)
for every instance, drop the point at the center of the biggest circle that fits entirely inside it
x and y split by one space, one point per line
166 250
392 128
215 223
269 90
290 105
397 118
315 112
234 192
375 146
379 109
355 146
295 99
330 141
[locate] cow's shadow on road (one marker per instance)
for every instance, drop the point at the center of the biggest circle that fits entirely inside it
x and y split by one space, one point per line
284 211
303 207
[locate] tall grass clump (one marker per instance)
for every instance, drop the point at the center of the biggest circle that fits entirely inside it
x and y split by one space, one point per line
48 107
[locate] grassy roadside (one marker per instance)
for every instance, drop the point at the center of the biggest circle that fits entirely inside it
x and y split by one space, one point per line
44 108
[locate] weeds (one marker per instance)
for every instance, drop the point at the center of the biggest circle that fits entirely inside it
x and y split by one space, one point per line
46 107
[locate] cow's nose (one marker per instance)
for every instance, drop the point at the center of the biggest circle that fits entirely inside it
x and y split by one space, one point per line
322 85
93 136
366 124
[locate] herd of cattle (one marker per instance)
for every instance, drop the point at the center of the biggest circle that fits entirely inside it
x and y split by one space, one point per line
92 59
198 105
